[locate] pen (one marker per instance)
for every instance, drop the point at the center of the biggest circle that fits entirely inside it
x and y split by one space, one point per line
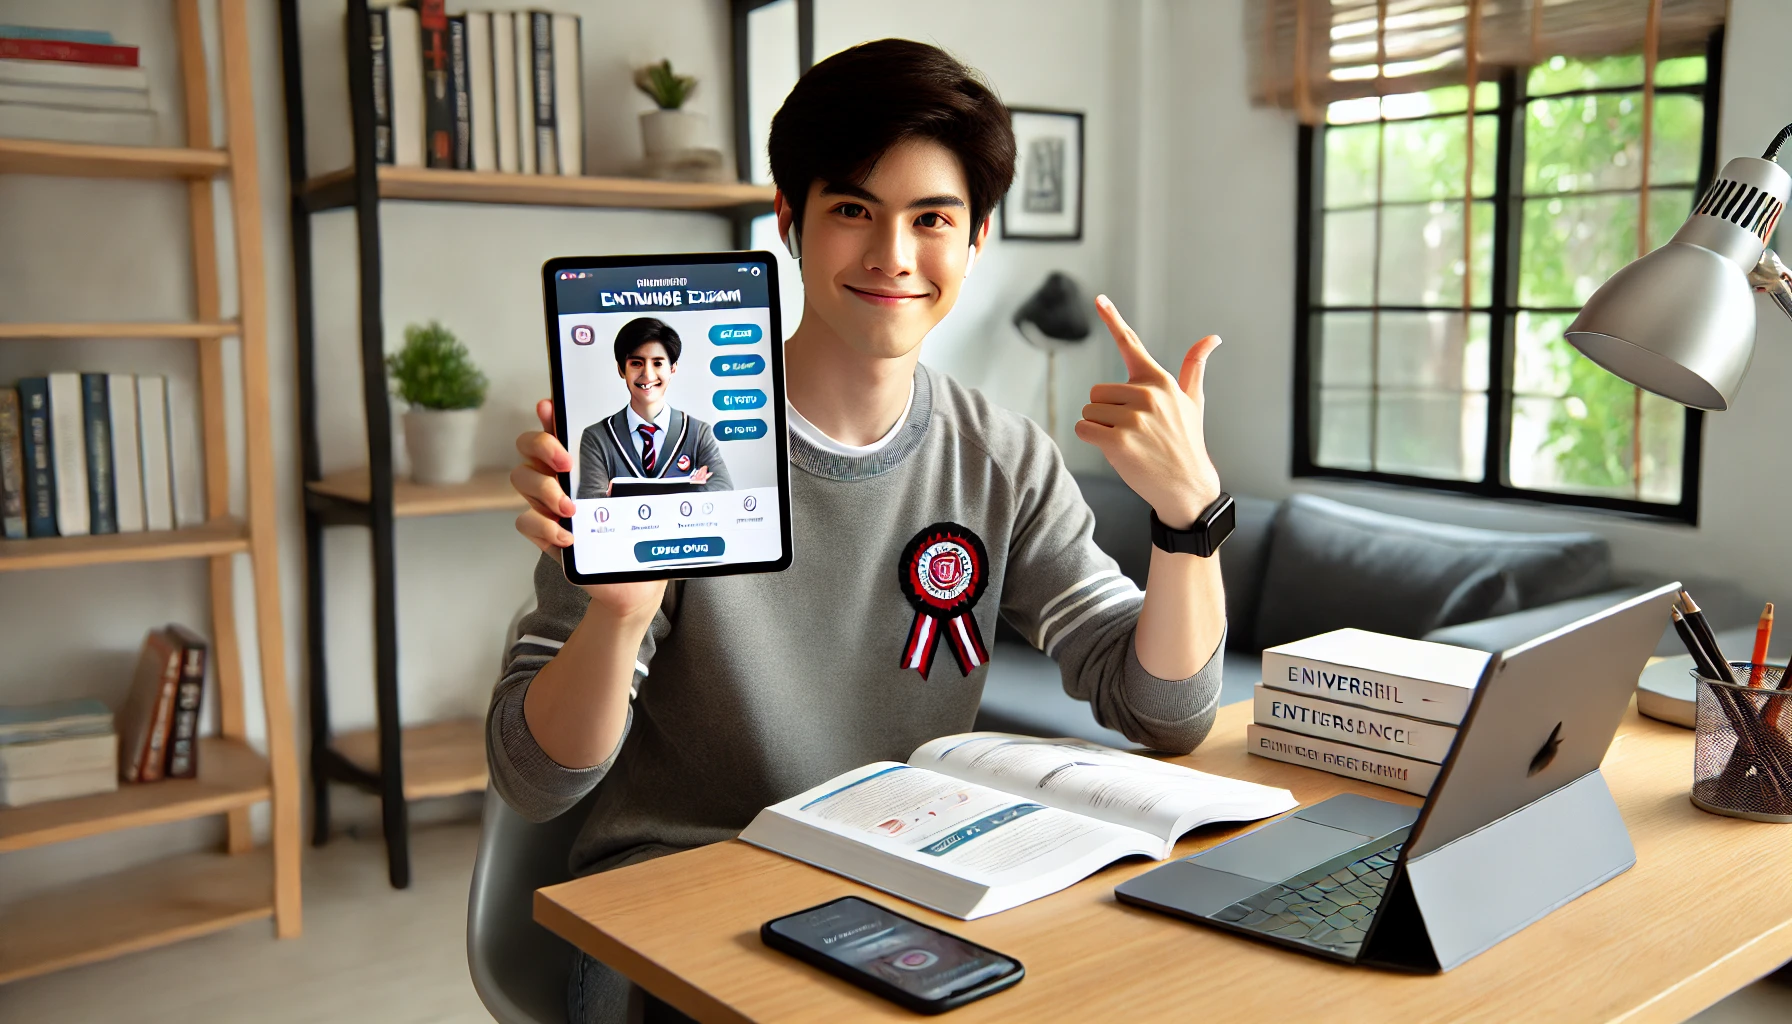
1763 633
1700 659
1702 629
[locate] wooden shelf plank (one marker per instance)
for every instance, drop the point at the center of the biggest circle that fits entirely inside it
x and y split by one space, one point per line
161 902
440 759
224 329
488 491
35 156
218 537
419 183
231 775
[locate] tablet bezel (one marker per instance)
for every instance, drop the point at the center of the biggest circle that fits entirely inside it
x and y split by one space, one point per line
780 435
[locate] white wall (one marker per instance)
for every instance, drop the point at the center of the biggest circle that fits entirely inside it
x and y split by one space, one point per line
1232 196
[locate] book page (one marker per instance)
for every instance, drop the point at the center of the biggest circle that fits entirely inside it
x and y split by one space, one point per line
954 826
1088 778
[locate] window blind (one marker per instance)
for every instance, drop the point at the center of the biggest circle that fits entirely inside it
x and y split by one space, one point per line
1306 54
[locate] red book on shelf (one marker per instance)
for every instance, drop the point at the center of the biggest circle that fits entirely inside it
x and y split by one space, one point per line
75 53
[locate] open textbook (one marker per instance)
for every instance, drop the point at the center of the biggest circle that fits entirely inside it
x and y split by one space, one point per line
980 822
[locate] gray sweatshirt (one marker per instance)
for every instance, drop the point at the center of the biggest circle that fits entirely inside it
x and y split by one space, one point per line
750 689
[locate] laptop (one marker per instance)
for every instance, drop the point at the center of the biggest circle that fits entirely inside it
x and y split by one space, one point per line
1518 823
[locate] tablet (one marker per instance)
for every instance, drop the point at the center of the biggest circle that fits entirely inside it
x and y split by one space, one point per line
668 387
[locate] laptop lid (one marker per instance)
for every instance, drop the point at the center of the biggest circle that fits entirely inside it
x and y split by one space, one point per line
1543 716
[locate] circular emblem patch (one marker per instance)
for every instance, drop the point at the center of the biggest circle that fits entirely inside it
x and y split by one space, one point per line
942 572
683 463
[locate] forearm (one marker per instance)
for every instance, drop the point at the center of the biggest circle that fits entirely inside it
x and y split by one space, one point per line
1183 617
577 705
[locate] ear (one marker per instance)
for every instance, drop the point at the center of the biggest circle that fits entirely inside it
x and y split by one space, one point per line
787 229
977 243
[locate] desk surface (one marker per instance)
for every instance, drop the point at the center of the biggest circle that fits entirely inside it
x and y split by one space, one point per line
1705 911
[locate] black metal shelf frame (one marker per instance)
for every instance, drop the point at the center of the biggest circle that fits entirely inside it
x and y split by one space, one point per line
360 192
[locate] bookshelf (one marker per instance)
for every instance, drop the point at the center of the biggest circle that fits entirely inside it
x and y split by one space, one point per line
399 761
188 895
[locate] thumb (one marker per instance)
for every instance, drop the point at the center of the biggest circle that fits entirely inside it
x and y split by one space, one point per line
1139 364
1194 366
544 411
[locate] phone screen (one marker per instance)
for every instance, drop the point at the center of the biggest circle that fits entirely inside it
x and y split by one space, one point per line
923 962
669 380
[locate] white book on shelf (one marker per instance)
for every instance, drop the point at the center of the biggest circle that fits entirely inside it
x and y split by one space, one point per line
127 458
479 87
152 439
1406 774
569 108
504 90
74 97
404 48
185 454
525 90
59 756
1358 726
60 124
71 73
68 454
1415 678
39 789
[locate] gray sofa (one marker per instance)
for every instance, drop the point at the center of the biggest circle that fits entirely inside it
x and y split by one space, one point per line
1308 565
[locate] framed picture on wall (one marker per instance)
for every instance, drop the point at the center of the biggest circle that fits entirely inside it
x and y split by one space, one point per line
1046 202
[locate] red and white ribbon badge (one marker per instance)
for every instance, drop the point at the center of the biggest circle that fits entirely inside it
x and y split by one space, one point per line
943 571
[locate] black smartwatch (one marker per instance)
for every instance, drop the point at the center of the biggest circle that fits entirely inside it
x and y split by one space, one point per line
1210 530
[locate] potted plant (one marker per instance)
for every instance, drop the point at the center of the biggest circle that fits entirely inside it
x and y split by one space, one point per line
444 390
671 129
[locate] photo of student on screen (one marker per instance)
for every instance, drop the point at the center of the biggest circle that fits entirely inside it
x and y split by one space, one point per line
648 438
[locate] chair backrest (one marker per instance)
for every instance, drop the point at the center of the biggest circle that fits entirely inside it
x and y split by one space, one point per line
519 968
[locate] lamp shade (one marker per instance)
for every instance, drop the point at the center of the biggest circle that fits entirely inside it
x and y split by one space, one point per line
1056 312
1680 322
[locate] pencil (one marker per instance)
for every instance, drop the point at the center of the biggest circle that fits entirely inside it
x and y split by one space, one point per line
1763 633
1700 659
1702 629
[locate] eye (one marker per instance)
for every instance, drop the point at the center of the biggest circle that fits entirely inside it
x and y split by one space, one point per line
853 210
932 220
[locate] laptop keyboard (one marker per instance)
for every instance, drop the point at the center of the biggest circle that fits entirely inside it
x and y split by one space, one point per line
1331 911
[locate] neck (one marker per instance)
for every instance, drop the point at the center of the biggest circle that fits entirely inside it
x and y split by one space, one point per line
850 396
646 411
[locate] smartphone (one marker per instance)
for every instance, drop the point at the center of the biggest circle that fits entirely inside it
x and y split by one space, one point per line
668 388
897 957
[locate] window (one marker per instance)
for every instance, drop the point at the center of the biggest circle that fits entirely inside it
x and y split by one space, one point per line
1430 348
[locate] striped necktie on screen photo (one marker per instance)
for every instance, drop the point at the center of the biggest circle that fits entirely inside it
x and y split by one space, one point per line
648 461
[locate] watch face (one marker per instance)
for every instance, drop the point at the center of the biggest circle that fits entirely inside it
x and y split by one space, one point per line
1220 527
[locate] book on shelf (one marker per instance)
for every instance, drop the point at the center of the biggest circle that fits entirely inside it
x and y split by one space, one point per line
96 414
438 95
480 95
127 463
460 94
12 467
523 67
78 76
1383 769
1357 726
34 444
75 98
380 62
185 453
541 71
152 442
65 101
99 37
183 737
569 108
61 719
977 823
67 52
143 728
56 750
1415 678
404 35
68 455
59 124
18 792
504 95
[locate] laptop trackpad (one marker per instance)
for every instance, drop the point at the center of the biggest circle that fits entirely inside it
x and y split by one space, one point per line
1280 850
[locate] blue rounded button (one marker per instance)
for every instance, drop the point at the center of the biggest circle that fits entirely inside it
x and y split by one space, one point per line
737 366
735 334
739 430
747 398
679 547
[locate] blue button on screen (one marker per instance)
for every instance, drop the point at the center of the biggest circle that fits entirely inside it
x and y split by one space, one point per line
750 398
735 334
739 430
679 547
737 366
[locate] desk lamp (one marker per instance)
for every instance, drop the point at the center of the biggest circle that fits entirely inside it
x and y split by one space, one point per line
1053 317
1680 322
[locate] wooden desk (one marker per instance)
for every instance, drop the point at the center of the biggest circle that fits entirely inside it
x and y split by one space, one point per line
1705 911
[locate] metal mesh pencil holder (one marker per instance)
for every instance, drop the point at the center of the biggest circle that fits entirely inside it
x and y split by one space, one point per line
1742 751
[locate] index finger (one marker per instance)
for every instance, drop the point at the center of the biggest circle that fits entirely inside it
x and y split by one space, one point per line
1140 366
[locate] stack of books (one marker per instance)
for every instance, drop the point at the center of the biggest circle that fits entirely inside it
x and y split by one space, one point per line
55 751
1383 709
86 453
477 91
72 85
159 731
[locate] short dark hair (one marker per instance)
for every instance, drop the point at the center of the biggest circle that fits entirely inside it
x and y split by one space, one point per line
640 331
850 109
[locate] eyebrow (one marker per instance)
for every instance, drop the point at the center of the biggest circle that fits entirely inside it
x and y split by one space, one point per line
847 188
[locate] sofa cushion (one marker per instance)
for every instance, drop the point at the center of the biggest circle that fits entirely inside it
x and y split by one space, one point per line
1333 565
1122 523
1242 559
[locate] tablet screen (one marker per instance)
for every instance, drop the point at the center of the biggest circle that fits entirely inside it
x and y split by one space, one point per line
669 383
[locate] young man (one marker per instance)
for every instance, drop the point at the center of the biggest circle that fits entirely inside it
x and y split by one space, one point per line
647 437
698 703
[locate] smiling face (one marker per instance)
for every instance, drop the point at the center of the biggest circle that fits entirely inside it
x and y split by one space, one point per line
648 371
883 259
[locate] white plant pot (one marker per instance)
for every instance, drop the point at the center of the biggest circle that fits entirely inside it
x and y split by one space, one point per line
667 133
440 444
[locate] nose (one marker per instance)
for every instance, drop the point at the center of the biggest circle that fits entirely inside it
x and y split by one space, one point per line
892 249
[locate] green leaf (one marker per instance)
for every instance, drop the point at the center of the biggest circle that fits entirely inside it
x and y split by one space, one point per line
667 89
433 370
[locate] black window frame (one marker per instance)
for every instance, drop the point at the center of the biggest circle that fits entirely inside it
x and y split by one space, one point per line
1508 199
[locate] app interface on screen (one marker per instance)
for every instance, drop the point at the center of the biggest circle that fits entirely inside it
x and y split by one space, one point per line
668 378
918 960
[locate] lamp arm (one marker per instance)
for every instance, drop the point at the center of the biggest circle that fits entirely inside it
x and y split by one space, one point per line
1772 277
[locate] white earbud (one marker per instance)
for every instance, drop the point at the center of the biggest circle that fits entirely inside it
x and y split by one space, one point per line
792 241
970 261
